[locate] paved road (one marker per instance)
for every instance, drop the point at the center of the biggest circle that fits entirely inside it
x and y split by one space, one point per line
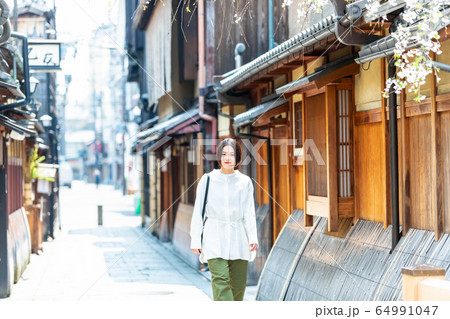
116 261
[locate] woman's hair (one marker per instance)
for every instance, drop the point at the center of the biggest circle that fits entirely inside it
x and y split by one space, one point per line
236 147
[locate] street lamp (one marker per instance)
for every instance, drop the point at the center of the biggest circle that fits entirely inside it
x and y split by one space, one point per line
46 120
33 84
17 136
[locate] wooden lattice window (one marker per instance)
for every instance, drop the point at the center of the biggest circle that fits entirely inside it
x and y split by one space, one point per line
298 129
345 143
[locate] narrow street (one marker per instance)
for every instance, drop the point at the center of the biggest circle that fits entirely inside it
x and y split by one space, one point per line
116 261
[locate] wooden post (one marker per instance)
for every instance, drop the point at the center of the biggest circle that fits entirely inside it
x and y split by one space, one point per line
308 219
331 136
412 275
290 156
356 198
436 162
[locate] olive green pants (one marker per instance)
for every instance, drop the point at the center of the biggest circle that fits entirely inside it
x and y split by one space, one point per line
228 278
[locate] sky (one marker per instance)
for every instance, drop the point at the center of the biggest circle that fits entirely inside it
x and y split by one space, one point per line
75 20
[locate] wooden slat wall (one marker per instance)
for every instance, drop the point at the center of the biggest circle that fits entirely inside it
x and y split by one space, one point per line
445 138
420 161
368 169
415 182
253 22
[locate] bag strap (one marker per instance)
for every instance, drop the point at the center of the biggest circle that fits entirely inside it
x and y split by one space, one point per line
204 206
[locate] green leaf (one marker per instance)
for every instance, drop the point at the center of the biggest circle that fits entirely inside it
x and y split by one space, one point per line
40 159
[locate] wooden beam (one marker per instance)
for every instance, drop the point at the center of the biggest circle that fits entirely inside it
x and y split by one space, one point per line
274 122
315 92
349 70
331 135
436 163
303 89
265 117
308 219
282 70
368 117
414 108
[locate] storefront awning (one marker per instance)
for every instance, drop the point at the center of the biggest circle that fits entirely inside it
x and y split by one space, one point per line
186 122
323 75
20 127
252 114
10 90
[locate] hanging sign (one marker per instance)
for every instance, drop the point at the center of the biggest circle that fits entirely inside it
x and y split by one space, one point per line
44 55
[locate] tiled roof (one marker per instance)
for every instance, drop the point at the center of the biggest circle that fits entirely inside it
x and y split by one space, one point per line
253 113
307 37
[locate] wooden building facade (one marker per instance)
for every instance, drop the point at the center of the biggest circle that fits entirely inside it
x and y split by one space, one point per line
175 150
317 99
311 108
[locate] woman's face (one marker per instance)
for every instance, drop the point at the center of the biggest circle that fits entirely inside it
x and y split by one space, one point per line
228 159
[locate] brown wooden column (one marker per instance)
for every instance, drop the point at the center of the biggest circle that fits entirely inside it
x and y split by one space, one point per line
356 173
308 219
331 136
290 156
436 163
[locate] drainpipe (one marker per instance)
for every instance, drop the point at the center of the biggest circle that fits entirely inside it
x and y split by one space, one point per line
269 168
441 66
238 51
393 149
202 75
270 17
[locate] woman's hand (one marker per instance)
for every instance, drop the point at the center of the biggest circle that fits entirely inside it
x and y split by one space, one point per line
253 246
197 251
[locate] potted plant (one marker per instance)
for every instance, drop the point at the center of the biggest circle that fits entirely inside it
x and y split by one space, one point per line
31 173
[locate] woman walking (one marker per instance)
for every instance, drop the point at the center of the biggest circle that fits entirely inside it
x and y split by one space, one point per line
229 233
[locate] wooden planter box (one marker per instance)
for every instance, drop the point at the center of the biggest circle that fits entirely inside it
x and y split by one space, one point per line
35 223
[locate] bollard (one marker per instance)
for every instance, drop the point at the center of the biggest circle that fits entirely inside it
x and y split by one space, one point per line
100 215
413 275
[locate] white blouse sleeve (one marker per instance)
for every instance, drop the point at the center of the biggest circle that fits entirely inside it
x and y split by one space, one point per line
196 221
249 215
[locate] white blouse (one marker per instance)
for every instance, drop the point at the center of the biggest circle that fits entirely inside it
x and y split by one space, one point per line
231 224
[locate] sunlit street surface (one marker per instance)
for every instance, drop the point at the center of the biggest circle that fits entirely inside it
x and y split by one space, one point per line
116 261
